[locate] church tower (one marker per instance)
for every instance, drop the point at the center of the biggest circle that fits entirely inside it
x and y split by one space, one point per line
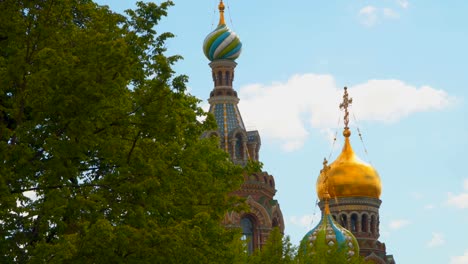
222 47
328 234
354 188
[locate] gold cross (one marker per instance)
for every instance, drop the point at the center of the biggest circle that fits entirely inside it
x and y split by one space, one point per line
344 106
325 170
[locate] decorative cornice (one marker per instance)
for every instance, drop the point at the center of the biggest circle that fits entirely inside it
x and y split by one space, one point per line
353 203
222 63
228 99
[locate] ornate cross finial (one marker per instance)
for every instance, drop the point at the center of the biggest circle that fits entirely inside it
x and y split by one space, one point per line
326 195
221 13
344 106
325 170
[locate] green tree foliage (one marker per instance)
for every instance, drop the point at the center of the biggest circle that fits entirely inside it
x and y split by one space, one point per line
277 250
324 254
96 126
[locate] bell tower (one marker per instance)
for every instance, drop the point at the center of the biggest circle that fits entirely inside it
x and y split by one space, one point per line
222 47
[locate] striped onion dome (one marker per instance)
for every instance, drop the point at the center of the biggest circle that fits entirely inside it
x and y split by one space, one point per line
222 43
329 233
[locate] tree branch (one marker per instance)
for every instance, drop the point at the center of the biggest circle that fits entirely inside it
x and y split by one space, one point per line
133 146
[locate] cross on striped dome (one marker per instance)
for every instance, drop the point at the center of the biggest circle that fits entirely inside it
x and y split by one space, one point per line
222 43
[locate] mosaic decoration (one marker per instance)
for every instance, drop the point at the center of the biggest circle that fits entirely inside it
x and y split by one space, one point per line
226 115
219 116
329 233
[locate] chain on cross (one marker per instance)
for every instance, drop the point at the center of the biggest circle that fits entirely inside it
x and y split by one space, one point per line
344 106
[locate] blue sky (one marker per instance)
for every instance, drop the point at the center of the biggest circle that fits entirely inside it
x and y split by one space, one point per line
405 64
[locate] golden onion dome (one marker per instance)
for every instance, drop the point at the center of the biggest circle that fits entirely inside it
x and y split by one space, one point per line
348 176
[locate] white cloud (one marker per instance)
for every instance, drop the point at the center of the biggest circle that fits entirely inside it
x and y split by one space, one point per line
284 112
368 15
398 224
436 240
390 13
459 200
306 221
390 100
371 15
460 259
403 3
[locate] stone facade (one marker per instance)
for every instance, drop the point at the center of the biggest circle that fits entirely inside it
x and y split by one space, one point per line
360 215
258 189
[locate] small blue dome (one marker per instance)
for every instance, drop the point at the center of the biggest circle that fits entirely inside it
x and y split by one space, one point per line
329 233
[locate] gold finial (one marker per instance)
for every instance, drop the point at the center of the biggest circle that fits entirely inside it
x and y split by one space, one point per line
326 195
344 106
221 13
326 168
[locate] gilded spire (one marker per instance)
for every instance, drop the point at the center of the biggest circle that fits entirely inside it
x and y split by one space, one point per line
326 195
221 13
344 106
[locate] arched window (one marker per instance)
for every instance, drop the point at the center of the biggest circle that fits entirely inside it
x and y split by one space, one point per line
364 223
239 148
275 222
247 226
372 224
354 220
344 221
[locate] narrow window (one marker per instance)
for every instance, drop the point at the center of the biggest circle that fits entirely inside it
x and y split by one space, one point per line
220 78
344 221
228 78
239 148
275 223
248 233
354 220
364 223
